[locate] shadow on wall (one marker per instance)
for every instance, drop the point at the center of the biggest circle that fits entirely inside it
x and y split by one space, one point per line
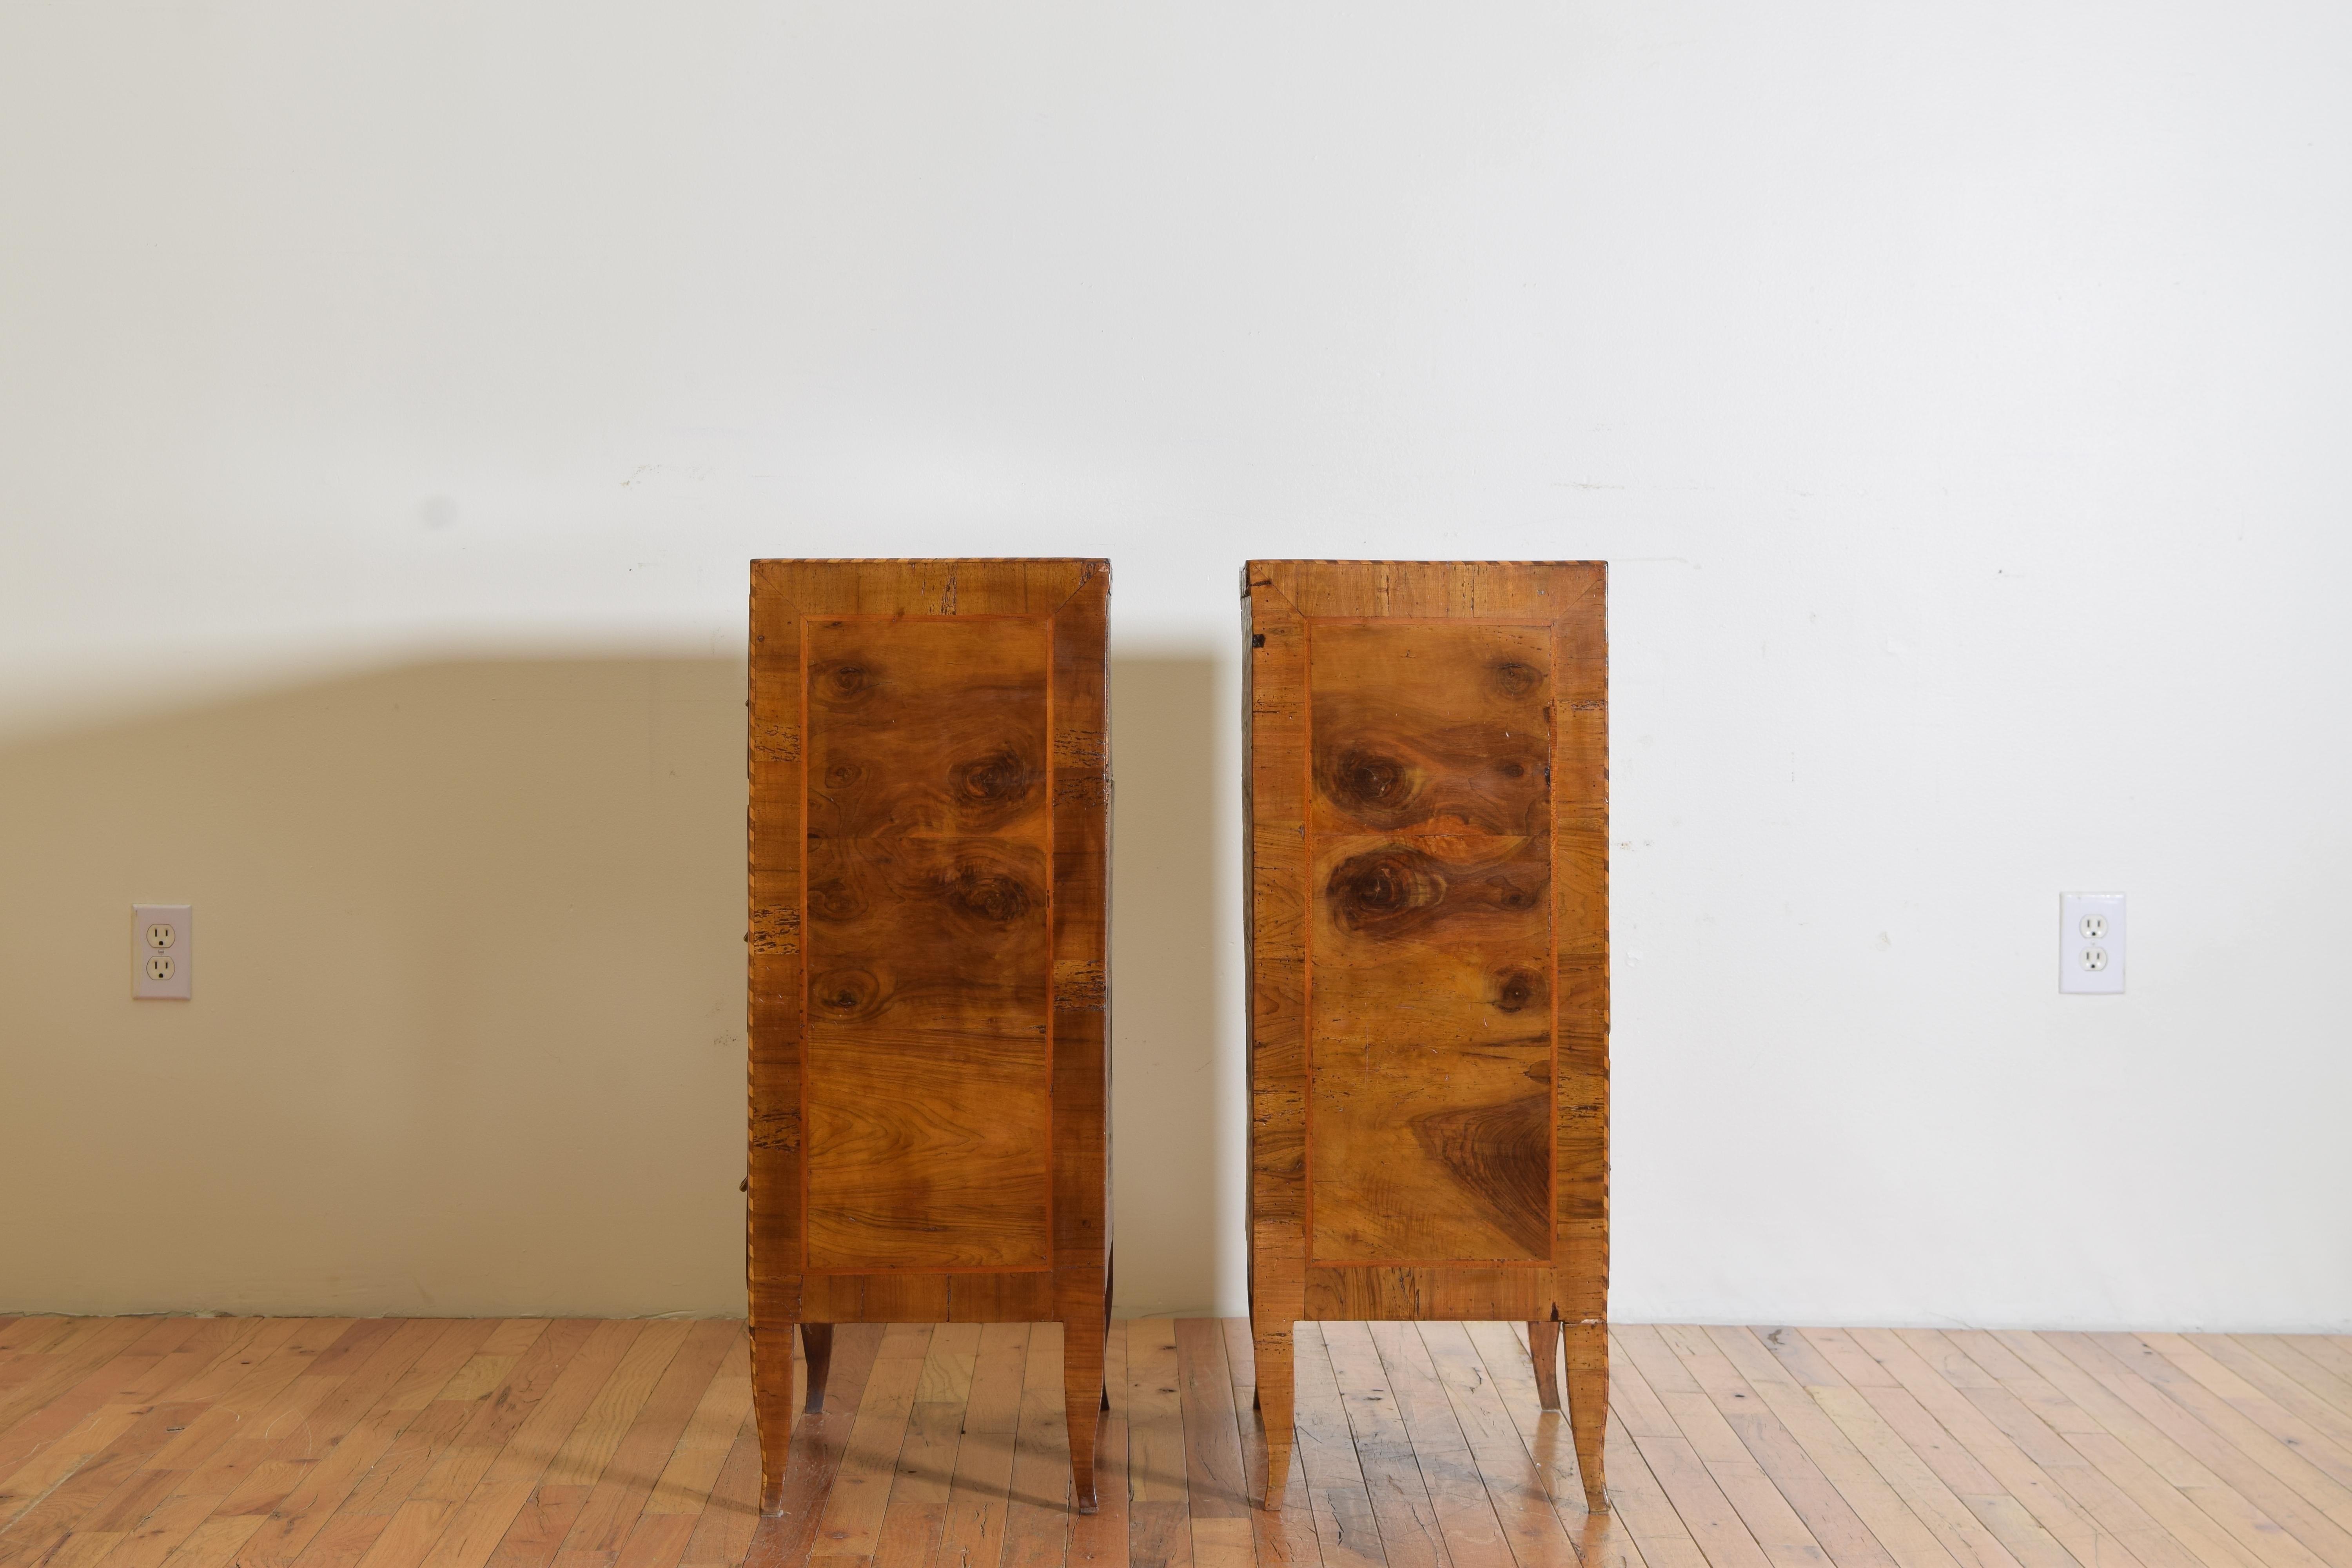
1170 1160
469 1026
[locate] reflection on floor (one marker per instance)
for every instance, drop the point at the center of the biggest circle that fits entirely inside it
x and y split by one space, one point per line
436 1443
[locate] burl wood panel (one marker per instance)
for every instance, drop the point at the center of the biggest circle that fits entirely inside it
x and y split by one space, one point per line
1428 839
928 945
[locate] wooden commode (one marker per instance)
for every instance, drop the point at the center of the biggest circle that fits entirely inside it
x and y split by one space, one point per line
929 1011
1428 835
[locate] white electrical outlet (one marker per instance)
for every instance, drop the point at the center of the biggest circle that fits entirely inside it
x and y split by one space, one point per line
2091 943
162 949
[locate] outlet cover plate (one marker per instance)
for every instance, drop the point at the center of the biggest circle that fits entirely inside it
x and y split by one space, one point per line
152 951
2091 943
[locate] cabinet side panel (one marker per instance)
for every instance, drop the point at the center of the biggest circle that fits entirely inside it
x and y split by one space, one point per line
926 1081
773 944
1581 773
1080 746
1275 811
1429 1022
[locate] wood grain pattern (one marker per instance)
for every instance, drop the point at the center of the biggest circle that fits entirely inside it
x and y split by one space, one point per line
1427 801
625 1444
928 1004
1431 1042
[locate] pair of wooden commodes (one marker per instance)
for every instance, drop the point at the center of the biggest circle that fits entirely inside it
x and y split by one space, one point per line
1427 803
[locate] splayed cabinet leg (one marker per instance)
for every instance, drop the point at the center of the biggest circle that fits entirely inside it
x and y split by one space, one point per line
1275 1377
1588 1403
1082 1403
816 1343
772 1400
1543 1349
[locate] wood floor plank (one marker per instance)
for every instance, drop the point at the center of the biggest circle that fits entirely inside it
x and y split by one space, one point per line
118 1438
115 1382
979 1492
47 1453
656 1541
1709 1515
1347 1530
1411 1536
685 1484
1770 1518
1541 1474
2013 1524
308 1523
645 1450
1963 1534
722 1531
2166 1490
479 1523
1158 1522
1286 1539
19 1334
1741 1416
916 1513
588 1449
568 1481
1100 1540
1220 1511
238 1388
250 1444
74 1353
2252 1466
2027 1456
284 1443
2175 1361
115 1488
2284 1370
819 1443
492 1417
2246 1531
1649 1514
1907 1537
1037 1511
1156 1469
2321 1351
915 1516
850 1525
1469 1529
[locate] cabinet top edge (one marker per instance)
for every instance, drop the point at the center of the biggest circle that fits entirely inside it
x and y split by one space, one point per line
1366 561
1096 560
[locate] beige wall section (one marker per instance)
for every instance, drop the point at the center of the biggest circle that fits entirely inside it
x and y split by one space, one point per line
468 1028
467 1034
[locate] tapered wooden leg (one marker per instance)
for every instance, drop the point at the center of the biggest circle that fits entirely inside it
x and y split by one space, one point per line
1276 1378
1110 1281
772 1400
1543 1348
816 1343
1588 1403
1082 1402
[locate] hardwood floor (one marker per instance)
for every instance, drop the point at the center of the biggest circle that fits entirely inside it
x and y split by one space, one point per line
434 1443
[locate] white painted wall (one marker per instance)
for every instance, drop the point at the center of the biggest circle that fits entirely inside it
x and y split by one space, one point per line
390 397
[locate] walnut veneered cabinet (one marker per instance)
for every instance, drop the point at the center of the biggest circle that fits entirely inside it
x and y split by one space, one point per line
929 1019
1427 799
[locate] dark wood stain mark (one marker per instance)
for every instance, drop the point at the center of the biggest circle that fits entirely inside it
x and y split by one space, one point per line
1500 1155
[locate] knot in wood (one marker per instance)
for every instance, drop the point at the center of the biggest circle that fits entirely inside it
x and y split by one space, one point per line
1512 678
998 778
1384 890
1371 780
989 893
